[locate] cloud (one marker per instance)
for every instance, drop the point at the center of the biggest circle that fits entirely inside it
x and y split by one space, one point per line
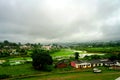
59 20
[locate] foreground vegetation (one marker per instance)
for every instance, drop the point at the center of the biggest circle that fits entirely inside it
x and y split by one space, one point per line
78 76
11 52
17 70
26 72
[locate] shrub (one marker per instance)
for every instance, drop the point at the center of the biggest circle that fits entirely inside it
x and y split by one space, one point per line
6 64
4 76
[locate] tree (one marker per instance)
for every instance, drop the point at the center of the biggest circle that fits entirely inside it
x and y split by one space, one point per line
118 56
76 55
111 56
6 42
41 60
95 57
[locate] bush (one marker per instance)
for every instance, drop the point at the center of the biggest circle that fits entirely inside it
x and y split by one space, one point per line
4 76
48 68
6 64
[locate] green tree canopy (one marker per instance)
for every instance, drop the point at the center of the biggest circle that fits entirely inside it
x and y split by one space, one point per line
76 55
41 59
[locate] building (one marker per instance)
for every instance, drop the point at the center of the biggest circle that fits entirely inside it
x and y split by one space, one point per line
80 64
92 63
62 63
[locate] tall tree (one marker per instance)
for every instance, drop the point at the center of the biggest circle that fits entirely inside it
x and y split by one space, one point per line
76 55
41 59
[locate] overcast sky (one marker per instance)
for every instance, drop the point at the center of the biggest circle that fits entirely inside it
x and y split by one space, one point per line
59 20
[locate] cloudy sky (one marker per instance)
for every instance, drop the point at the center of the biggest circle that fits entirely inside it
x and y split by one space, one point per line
59 20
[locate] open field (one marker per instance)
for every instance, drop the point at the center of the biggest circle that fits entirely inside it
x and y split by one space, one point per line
77 76
23 69
26 72
63 52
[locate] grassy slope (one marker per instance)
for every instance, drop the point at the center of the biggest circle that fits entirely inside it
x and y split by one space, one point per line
78 76
27 69
24 69
63 52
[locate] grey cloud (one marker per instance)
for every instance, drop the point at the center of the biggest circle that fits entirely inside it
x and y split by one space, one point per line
65 20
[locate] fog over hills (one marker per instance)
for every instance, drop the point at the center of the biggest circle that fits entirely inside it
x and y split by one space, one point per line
47 21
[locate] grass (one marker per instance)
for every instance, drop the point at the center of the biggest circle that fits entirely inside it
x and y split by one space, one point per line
16 58
63 52
56 74
26 72
77 76
24 69
20 58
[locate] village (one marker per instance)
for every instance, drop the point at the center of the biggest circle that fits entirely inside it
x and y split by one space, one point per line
64 58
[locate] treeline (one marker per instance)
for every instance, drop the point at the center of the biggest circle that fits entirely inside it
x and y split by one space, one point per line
110 56
101 47
17 49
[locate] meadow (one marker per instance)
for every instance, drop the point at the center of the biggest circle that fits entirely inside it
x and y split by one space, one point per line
63 52
26 71
77 76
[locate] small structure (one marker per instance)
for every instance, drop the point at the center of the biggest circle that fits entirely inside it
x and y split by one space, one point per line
62 63
93 63
96 70
102 62
116 66
47 47
80 64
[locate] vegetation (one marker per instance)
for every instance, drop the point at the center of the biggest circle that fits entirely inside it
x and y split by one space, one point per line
41 60
93 57
63 52
4 76
113 56
77 76
26 72
17 70
76 55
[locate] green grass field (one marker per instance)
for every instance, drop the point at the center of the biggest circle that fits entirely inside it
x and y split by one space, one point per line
77 76
23 69
63 52
26 72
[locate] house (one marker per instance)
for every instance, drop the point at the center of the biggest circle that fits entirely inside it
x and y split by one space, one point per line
80 64
92 63
115 66
47 47
62 63
95 63
101 62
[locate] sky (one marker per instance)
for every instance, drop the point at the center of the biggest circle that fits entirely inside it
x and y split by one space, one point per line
48 21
